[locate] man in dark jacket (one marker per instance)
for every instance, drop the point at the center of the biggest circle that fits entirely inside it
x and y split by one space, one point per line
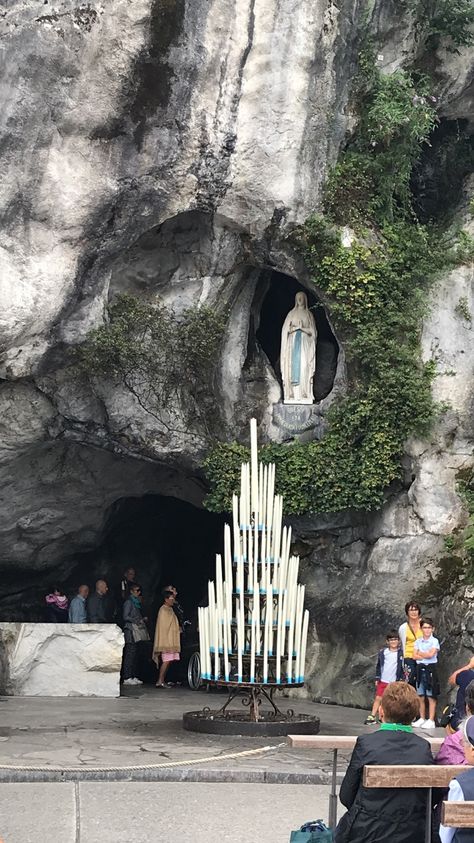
100 608
392 814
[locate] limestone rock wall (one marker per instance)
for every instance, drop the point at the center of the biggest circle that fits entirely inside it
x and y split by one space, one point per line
60 660
166 148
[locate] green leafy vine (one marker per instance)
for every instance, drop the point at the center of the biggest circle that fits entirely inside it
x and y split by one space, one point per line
376 293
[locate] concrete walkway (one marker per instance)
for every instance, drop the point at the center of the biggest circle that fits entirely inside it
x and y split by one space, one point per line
143 729
156 812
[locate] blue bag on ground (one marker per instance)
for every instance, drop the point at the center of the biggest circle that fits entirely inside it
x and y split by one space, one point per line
313 832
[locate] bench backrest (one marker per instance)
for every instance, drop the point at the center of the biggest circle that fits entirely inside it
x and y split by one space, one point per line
339 741
413 775
458 814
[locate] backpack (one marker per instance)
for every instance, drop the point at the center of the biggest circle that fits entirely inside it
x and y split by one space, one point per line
312 832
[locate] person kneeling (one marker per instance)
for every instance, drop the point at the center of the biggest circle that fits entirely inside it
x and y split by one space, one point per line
375 814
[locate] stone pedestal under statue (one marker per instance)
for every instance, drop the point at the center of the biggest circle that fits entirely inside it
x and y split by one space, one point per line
60 660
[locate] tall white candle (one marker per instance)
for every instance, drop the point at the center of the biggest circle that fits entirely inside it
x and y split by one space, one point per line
279 644
216 646
226 647
201 640
265 653
254 464
269 619
205 654
219 602
256 606
252 647
240 639
298 630
235 516
304 641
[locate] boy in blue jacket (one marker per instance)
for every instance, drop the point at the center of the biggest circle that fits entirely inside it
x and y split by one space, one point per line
389 669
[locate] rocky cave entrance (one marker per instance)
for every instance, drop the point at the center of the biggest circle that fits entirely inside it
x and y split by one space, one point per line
166 540
274 298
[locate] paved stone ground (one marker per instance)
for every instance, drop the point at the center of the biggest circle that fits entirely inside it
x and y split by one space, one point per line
144 728
158 812
221 801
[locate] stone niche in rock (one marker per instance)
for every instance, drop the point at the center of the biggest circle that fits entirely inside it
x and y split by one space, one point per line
274 297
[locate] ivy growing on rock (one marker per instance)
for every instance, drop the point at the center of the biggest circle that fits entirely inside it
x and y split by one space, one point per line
167 362
443 22
376 292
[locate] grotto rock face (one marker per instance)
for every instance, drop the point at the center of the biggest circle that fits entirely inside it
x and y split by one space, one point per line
165 148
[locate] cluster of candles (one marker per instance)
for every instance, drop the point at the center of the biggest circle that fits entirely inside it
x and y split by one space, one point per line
255 627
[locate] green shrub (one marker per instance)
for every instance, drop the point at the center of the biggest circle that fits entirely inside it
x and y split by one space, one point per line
166 362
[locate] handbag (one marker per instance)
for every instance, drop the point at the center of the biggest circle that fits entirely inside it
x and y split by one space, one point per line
312 832
140 632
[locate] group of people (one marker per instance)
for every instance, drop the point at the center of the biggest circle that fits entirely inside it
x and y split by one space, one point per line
407 687
399 814
127 611
411 655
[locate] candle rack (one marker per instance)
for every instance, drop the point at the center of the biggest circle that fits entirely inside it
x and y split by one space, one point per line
253 632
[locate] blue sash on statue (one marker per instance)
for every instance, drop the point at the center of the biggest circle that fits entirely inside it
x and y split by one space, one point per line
296 359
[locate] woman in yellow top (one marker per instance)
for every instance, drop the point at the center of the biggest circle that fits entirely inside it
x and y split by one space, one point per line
409 632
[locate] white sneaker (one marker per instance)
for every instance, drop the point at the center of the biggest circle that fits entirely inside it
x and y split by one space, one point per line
129 682
137 681
418 723
429 724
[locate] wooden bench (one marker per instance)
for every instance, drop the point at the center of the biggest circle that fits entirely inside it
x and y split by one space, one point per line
419 776
458 814
334 743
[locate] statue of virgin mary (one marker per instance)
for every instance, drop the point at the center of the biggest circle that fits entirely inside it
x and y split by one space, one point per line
298 353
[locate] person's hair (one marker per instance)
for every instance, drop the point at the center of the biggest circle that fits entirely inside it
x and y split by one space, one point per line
469 697
426 621
166 593
392 633
412 604
400 703
467 729
134 586
56 588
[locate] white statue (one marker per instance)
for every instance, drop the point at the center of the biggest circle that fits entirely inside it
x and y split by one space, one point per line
298 353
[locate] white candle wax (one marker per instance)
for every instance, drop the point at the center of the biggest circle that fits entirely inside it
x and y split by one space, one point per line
298 629
265 654
240 637
278 652
205 653
282 621
226 647
201 640
252 648
236 537
304 640
219 601
269 619
254 464
216 645
256 604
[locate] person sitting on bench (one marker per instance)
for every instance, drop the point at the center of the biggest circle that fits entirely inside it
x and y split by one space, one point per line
461 789
374 814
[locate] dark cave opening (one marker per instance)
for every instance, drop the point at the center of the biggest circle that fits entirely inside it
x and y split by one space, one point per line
439 174
167 541
274 298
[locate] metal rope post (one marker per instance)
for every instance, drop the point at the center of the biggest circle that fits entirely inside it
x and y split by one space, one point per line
333 794
429 808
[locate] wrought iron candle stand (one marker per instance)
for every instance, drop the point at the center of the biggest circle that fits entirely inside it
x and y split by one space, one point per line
253 632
